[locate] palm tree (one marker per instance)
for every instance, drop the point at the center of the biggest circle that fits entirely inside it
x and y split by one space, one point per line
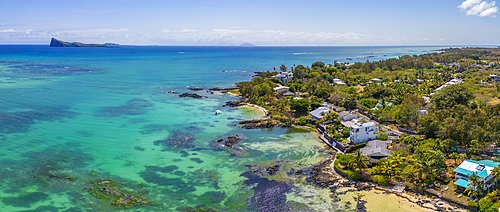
475 185
496 172
360 160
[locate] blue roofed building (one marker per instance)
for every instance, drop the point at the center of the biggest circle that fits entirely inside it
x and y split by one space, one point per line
482 168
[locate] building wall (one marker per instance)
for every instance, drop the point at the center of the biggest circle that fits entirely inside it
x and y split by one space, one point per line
364 134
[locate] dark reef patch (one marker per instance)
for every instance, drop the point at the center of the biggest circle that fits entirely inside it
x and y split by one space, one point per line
153 128
214 196
180 173
132 107
19 122
41 71
268 195
184 154
178 140
84 133
25 200
139 148
197 160
151 175
44 209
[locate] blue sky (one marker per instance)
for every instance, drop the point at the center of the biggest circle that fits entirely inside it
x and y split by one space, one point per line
224 22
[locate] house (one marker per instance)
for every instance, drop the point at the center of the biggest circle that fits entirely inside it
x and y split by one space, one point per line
451 82
338 82
284 77
280 89
482 168
347 116
375 80
362 131
376 150
319 113
495 77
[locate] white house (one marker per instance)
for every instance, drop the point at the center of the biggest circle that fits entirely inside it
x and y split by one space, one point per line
451 82
285 77
338 81
317 114
281 89
362 132
375 80
482 168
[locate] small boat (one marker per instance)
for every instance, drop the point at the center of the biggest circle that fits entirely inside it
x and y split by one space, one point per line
217 112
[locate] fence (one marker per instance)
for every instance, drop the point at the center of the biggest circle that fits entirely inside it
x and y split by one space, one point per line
407 131
332 141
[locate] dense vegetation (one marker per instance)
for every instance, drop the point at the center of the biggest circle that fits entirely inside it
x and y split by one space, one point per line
402 93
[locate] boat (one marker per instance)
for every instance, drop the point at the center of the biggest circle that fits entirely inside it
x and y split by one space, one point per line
217 112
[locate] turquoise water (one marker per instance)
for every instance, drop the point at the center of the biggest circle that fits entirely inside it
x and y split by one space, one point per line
77 110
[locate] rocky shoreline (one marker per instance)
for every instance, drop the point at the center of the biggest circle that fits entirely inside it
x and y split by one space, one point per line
192 95
324 175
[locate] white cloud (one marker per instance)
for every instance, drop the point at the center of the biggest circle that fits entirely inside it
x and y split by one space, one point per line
187 30
7 30
489 12
468 3
479 8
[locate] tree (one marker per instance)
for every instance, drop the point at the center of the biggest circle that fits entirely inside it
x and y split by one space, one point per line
360 160
263 89
475 187
407 113
451 96
496 172
299 105
283 68
455 157
350 103
318 64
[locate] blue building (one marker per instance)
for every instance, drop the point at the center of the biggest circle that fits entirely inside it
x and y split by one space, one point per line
482 168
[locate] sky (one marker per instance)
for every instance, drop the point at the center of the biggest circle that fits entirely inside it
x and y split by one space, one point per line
260 22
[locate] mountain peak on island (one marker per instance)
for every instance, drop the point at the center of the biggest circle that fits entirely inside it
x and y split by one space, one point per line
59 43
247 45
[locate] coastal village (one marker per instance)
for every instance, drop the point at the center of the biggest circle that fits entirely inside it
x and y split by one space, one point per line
423 127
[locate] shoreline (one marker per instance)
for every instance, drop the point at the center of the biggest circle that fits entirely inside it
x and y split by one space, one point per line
263 110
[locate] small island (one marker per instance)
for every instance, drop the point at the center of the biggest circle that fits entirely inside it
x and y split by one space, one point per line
59 43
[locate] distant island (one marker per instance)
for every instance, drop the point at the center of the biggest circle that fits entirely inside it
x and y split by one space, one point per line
247 45
59 43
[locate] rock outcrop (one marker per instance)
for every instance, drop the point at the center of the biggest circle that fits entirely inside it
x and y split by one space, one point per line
59 43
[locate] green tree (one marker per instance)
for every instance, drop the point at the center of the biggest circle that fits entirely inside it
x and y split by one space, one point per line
263 89
360 160
299 105
476 186
350 103
407 113
318 64
451 96
283 68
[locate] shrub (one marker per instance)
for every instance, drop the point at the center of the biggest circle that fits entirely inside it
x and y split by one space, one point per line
381 180
311 125
337 136
353 175
315 105
383 136
355 147
302 121
472 204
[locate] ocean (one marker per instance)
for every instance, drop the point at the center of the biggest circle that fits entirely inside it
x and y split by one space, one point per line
74 120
